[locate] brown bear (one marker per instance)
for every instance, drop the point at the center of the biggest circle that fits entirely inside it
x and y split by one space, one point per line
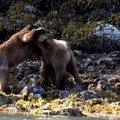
16 50
57 60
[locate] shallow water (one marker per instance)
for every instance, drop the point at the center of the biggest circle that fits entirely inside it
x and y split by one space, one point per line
24 117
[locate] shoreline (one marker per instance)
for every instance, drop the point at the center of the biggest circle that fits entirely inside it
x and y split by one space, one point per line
91 115
102 98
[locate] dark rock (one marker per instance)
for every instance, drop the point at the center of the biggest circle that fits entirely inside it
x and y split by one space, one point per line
102 85
30 8
26 68
20 75
87 62
4 99
69 84
88 94
64 94
78 54
101 77
117 88
106 61
80 86
66 112
95 75
31 80
37 90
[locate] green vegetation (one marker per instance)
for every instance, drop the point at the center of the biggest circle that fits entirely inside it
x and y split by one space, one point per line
17 18
72 20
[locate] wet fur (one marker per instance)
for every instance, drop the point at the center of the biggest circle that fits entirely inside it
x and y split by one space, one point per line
14 51
57 60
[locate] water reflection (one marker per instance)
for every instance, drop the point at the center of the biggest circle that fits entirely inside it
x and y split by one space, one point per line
25 117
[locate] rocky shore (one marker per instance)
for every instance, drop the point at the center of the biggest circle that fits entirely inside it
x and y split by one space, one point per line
100 71
92 28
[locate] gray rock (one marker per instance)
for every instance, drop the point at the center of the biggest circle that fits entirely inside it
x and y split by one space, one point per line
102 85
79 87
37 96
64 94
66 112
26 68
78 54
30 80
37 91
30 8
88 94
117 89
87 62
4 99
108 30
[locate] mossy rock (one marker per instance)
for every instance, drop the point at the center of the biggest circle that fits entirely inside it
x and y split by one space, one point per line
75 33
82 37
114 19
96 101
17 17
109 95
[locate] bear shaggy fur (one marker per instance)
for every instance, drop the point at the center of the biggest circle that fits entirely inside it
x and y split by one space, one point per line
57 60
15 50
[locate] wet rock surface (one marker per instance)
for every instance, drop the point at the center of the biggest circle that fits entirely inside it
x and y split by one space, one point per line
88 25
100 72
108 30
66 112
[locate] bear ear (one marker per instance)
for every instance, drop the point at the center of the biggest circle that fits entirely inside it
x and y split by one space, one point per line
26 38
42 30
28 27
34 26
33 34
37 25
